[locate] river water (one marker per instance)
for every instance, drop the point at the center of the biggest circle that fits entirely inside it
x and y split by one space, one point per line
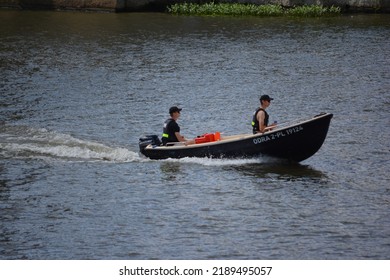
77 90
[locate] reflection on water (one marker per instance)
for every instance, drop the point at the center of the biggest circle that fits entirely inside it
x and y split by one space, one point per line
170 170
281 170
170 167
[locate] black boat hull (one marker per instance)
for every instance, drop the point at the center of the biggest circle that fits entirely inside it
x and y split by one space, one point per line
295 142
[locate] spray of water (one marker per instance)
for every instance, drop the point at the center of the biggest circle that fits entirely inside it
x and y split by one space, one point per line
220 161
26 142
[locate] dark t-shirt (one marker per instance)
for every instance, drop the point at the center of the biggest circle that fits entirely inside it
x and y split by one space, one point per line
170 127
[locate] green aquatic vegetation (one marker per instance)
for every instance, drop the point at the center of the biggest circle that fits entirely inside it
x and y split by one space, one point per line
236 9
312 11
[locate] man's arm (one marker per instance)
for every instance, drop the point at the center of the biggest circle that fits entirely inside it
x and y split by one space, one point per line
180 137
262 127
260 118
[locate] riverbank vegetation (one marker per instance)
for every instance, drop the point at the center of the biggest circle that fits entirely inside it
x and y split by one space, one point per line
235 9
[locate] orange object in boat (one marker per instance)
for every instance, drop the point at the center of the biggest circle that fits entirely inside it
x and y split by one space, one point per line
208 137
200 139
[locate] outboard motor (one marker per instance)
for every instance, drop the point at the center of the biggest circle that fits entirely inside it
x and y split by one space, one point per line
148 139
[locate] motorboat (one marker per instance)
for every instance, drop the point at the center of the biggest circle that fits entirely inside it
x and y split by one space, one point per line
295 141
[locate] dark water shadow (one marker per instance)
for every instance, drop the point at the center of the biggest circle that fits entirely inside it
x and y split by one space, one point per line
170 170
281 170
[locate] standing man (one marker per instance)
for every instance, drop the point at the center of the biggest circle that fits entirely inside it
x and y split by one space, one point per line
171 130
261 117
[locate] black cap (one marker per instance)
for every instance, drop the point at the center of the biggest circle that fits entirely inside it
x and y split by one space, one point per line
174 109
266 98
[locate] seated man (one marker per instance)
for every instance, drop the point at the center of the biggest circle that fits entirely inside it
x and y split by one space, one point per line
261 117
171 130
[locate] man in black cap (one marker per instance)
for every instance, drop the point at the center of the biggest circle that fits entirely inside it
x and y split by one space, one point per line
261 117
171 130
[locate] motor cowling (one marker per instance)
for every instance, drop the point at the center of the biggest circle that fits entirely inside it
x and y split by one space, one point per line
147 140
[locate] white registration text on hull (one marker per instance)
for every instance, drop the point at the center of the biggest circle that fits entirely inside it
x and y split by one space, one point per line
278 134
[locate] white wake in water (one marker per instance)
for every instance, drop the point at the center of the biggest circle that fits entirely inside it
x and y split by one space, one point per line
222 161
25 142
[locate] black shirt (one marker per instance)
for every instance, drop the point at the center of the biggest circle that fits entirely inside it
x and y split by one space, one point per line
169 129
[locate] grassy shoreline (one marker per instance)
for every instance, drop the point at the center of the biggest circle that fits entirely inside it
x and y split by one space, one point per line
235 9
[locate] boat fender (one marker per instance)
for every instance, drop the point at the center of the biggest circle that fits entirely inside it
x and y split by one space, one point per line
147 140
